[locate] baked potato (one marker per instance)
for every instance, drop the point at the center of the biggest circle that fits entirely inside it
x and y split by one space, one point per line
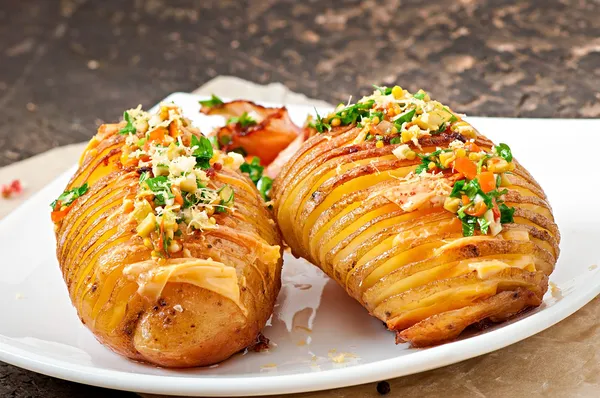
168 251
424 221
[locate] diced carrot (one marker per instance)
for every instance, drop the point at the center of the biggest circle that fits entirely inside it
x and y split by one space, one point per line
157 135
173 130
465 200
178 197
466 167
487 181
472 147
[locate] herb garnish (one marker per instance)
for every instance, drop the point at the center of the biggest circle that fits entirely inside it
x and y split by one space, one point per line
212 102
203 151
253 169
255 172
129 127
68 197
383 89
504 152
243 120
161 187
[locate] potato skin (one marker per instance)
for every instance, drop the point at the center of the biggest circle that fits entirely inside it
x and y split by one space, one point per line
187 325
410 269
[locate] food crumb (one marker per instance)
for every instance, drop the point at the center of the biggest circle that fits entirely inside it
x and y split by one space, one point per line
341 357
593 267
269 365
19 296
93 64
383 387
12 189
301 343
31 107
178 308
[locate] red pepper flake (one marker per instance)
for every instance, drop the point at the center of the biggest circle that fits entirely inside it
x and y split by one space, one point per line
9 190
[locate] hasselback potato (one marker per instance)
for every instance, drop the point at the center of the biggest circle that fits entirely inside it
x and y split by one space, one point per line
168 251
427 223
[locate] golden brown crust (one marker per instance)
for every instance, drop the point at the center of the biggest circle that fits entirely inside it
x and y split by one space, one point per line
187 325
413 270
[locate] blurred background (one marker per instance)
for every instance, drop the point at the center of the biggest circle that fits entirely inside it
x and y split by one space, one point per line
67 66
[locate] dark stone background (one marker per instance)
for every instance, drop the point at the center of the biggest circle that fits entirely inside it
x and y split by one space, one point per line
66 66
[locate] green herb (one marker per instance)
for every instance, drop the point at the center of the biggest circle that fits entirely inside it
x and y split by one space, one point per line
264 186
452 118
243 120
320 124
253 169
441 129
226 194
428 158
161 188
203 151
468 225
405 117
504 152
483 225
506 214
395 140
419 96
212 102
498 180
144 176
68 197
383 89
129 127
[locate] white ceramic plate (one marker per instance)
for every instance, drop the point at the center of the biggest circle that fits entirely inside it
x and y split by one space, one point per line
39 330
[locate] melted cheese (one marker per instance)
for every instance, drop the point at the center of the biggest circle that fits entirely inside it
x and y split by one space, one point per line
487 268
152 277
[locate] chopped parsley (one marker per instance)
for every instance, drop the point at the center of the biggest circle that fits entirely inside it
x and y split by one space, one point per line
383 89
203 151
212 102
253 169
243 120
264 186
419 96
161 187
255 172
506 214
226 194
405 117
320 124
68 197
504 152
395 140
129 127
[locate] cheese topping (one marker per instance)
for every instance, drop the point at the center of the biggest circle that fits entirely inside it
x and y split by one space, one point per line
152 277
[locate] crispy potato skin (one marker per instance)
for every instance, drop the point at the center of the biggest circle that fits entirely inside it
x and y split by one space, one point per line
96 241
411 270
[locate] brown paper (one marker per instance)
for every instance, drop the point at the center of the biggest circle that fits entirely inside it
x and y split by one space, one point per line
562 361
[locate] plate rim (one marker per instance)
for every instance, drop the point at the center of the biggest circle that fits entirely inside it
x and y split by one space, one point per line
430 358
309 381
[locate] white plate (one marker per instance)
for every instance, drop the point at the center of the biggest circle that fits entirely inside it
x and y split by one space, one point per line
39 330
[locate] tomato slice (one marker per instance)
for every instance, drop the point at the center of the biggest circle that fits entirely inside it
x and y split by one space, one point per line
466 167
478 210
